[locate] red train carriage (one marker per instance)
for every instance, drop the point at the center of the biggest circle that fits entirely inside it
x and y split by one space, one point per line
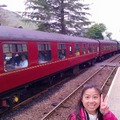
45 54
107 47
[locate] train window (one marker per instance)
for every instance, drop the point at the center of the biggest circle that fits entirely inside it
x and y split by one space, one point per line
94 48
12 48
83 48
45 54
24 47
61 51
77 49
105 47
19 46
15 57
5 48
89 48
110 47
102 47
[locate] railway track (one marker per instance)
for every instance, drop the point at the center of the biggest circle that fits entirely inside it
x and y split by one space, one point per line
57 110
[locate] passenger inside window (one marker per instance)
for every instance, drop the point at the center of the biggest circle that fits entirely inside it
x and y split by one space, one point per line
17 60
44 56
15 56
41 58
10 62
89 49
23 62
62 54
77 53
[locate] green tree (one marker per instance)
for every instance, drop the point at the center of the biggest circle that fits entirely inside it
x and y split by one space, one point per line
108 35
62 16
95 31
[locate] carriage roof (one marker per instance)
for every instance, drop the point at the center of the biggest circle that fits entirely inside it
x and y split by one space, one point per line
12 33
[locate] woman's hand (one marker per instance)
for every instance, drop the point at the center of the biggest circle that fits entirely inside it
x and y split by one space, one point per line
103 105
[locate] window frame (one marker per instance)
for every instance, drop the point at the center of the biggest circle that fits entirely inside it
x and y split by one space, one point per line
44 48
12 50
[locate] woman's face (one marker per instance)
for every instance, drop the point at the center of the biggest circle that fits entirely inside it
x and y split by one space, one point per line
91 100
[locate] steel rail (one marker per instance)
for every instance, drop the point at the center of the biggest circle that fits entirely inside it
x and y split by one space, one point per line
53 110
79 87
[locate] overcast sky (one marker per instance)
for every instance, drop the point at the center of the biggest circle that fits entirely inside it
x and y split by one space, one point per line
107 12
102 11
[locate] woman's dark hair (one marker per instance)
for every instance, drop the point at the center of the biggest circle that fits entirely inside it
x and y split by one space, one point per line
80 104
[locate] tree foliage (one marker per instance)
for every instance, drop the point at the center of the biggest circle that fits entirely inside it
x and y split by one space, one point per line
63 16
108 35
95 31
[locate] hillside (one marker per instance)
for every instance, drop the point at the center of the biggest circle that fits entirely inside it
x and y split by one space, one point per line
9 18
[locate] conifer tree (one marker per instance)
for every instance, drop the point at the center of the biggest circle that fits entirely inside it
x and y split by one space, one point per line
62 16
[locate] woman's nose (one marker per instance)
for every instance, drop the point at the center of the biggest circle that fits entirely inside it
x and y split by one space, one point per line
91 99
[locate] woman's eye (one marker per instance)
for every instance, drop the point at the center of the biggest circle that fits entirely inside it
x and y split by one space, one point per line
95 97
87 97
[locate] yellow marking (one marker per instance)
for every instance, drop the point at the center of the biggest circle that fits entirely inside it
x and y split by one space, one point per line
16 99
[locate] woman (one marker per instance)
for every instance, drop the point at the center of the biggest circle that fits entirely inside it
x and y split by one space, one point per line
92 106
